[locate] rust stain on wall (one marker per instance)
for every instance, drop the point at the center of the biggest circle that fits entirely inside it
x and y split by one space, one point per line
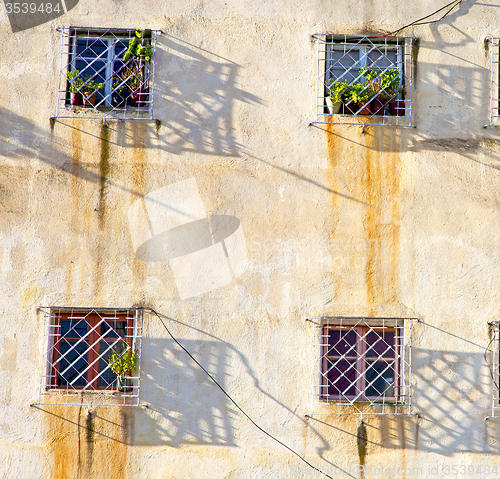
103 171
138 190
382 222
78 210
363 177
89 444
335 146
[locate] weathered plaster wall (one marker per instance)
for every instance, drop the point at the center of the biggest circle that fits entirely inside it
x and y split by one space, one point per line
337 221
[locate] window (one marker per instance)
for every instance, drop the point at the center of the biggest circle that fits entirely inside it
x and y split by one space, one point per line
364 364
83 347
495 368
364 78
494 119
106 72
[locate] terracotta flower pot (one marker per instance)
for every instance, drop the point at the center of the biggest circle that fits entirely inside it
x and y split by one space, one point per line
364 108
378 107
90 98
350 108
76 98
139 97
397 107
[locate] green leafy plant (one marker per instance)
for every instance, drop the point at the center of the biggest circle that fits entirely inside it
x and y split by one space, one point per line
75 81
391 83
360 92
138 47
130 77
123 362
337 90
90 85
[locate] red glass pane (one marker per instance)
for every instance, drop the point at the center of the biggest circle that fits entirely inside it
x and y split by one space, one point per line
342 378
342 342
380 344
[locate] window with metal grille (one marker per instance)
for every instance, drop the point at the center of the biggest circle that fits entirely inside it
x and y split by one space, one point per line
494 119
495 368
85 346
366 78
362 364
107 72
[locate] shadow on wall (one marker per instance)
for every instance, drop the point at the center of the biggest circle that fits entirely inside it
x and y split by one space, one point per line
453 396
198 90
23 140
186 407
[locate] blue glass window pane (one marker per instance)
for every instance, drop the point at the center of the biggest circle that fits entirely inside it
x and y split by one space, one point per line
342 342
90 47
380 344
108 377
342 378
69 357
379 379
117 329
73 328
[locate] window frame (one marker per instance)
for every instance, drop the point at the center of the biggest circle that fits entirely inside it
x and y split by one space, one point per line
361 361
402 116
78 343
131 105
95 340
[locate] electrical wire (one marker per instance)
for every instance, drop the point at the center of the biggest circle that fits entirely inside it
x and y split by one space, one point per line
420 21
232 400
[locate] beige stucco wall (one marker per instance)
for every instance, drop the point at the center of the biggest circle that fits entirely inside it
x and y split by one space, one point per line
337 221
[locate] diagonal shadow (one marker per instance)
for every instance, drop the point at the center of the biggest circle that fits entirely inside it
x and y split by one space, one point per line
199 113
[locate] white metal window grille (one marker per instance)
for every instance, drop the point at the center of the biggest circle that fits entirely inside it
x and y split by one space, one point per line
78 363
363 366
96 81
495 369
364 79
494 119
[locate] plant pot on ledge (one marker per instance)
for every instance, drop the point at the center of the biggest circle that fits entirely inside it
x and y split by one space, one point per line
378 107
364 108
332 107
397 107
89 98
76 99
139 97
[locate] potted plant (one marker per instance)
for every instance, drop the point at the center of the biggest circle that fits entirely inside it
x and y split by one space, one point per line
137 54
336 93
75 85
359 94
394 89
89 91
120 92
131 78
123 363
397 105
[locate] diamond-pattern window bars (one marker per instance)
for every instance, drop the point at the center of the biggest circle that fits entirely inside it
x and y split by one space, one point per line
494 119
99 79
364 80
495 369
79 361
364 364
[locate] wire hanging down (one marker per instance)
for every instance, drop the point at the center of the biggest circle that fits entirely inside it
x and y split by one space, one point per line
420 21
232 400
